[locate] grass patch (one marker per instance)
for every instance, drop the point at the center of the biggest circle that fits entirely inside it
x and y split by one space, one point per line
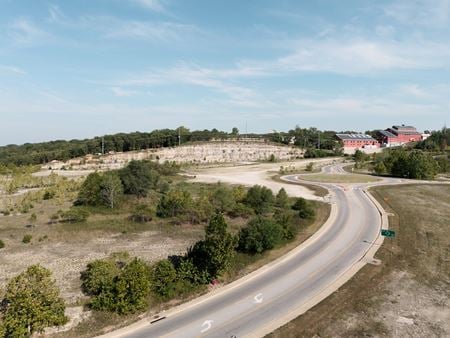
420 251
327 178
318 191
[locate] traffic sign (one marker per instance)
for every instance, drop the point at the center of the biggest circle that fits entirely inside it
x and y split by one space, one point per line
387 233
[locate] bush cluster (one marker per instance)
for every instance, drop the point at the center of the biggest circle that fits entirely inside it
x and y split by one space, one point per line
116 286
414 164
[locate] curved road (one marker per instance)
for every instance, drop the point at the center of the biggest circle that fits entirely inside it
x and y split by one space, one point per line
277 293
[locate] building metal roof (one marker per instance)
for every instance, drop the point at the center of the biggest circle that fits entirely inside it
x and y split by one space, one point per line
386 133
359 137
404 128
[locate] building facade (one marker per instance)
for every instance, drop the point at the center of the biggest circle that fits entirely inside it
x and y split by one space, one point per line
398 135
363 142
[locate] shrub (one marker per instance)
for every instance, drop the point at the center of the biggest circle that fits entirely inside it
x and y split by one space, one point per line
142 213
99 277
164 277
138 177
304 208
2 244
282 199
310 166
27 239
223 198
74 215
285 220
260 199
259 235
48 194
117 286
175 203
33 304
132 287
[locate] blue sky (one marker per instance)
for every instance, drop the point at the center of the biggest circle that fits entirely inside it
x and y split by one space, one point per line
75 69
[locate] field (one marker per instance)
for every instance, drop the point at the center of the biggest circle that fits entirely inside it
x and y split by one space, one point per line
408 295
32 235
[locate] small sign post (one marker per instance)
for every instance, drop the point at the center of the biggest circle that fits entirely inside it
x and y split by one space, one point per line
387 233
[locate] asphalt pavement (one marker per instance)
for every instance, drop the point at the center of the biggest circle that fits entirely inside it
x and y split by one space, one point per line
267 299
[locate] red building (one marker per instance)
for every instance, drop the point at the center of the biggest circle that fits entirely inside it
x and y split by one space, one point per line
358 141
398 135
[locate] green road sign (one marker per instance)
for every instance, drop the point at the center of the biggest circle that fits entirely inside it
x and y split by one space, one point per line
387 233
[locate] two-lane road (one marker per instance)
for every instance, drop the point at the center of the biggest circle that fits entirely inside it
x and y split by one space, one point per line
276 294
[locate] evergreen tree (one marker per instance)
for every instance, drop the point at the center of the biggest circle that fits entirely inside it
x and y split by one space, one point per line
215 253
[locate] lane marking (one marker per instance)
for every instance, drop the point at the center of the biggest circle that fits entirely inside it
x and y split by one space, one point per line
258 299
207 324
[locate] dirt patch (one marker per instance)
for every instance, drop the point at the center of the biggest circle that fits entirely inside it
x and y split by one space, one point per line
408 295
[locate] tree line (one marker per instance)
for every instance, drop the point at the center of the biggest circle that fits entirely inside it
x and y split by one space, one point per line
44 152
403 163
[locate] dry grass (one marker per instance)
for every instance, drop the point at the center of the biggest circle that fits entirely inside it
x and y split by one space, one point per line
413 280
333 178
318 191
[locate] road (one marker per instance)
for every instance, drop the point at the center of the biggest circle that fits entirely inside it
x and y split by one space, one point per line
277 293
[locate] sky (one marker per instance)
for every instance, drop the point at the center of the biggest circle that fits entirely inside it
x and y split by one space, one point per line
77 69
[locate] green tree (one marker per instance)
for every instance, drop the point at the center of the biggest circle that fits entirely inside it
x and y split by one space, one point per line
421 166
174 203
380 168
304 208
111 189
132 287
259 235
235 131
260 199
214 254
32 303
282 199
117 286
90 191
164 278
138 177
99 276
223 198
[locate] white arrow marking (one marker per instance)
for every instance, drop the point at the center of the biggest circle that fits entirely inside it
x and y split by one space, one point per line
206 326
259 298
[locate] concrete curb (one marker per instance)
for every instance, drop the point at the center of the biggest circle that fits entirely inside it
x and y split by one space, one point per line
223 290
340 280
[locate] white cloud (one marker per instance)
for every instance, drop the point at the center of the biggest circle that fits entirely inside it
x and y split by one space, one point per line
154 31
25 32
353 57
12 69
118 91
435 13
415 91
56 15
153 5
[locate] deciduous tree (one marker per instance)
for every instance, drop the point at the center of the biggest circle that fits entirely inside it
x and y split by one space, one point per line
32 303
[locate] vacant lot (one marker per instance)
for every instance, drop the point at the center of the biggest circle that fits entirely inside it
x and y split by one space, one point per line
408 295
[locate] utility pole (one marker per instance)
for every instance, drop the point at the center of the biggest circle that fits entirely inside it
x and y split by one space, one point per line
179 137
103 145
